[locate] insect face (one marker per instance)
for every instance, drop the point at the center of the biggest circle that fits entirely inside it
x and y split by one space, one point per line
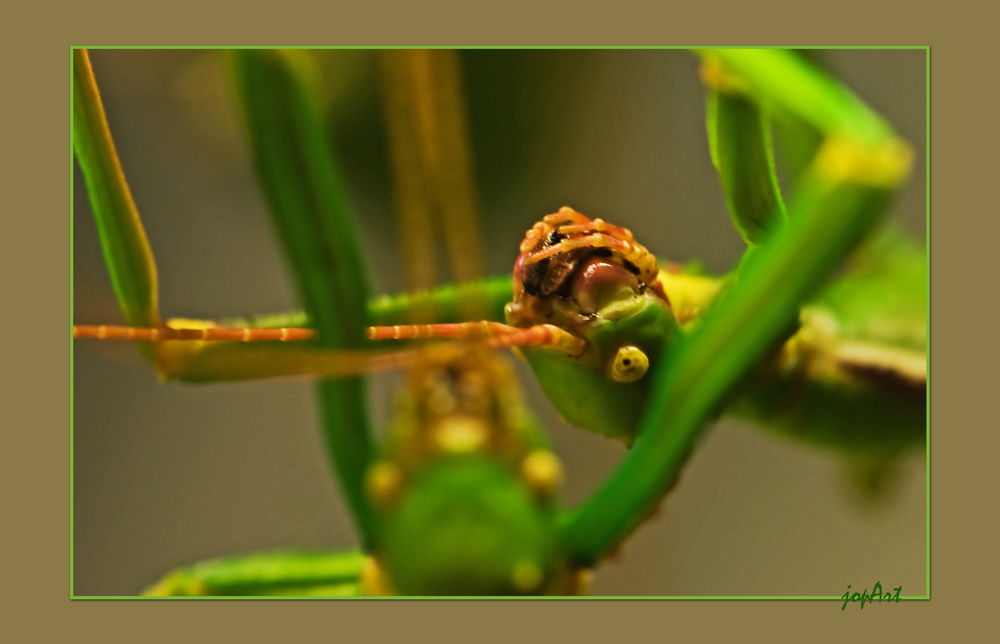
593 280
572 269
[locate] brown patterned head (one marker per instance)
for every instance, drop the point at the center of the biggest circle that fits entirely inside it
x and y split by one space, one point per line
571 266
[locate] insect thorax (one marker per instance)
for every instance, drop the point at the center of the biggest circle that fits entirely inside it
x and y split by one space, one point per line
465 463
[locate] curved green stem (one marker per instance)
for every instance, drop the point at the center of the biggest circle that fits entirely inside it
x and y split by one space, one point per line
740 143
126 250
838 201
320 233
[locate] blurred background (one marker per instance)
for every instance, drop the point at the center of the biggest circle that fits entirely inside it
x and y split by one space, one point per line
169 474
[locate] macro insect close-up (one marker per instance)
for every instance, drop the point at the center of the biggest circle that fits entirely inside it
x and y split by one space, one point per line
724 385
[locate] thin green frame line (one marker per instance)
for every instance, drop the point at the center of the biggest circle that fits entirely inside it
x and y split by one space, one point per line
927 242
927 195
577 47
499 598
72 346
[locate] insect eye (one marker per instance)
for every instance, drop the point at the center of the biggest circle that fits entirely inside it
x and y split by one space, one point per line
600 282
628 365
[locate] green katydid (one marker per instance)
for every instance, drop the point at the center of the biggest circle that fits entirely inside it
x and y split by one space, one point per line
863 385
607 405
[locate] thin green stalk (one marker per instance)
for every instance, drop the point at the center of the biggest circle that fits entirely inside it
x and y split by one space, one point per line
320 233
446 301
127 252
740 144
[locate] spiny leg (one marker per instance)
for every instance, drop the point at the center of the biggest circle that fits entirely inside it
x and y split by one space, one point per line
498 335
178 357
208 334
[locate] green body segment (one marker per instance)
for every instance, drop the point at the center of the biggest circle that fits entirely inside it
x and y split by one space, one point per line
446 301
882 296
468 527
465 508
863 419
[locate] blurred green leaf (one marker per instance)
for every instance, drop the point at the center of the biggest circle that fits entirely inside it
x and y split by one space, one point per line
126 250
302 184
741 151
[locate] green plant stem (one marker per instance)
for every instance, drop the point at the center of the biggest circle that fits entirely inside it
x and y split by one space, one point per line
740 143
126 250
320 233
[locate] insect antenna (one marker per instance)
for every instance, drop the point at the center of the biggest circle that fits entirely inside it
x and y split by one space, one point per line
497 335
208 334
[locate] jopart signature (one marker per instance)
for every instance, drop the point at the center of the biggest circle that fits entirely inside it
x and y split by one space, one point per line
876 592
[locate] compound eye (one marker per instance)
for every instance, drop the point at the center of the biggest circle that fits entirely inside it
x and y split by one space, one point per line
600 282
628 365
